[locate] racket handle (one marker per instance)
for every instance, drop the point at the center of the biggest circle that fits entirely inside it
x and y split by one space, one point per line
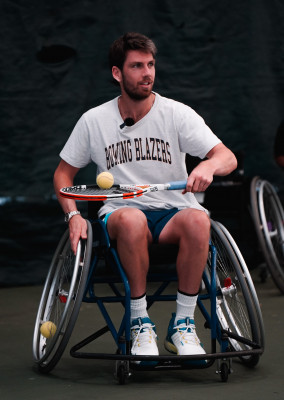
176 185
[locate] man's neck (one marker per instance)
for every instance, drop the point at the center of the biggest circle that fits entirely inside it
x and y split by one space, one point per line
135 109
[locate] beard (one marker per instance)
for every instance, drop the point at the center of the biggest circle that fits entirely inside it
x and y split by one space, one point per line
136 92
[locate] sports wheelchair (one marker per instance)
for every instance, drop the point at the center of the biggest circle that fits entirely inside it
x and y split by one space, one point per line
268 217
227 302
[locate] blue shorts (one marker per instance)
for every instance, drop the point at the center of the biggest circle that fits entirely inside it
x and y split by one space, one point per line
156 220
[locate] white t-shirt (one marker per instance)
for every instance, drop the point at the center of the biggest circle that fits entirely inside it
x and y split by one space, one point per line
151 151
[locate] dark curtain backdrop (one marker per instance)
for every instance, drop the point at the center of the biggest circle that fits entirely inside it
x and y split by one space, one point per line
223 58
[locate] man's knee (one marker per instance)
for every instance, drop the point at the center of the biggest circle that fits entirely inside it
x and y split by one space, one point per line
129 222
197 225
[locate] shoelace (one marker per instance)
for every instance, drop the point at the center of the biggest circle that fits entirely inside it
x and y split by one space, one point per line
144 333
187 331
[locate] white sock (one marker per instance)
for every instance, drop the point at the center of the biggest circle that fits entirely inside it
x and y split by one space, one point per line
138 308
186 305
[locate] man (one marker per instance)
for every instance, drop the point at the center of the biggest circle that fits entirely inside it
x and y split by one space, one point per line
142 137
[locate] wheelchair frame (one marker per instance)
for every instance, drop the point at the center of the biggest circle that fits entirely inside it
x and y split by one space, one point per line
233 316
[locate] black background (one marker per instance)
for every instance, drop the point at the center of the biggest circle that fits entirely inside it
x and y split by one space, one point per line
223 58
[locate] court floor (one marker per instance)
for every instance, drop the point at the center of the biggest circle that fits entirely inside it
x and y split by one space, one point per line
94 379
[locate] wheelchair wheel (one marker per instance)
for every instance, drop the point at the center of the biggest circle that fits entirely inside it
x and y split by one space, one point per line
268 217
249 283
235 305
61 299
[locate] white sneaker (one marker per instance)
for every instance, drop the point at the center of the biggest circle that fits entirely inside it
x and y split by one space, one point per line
182 338
144 339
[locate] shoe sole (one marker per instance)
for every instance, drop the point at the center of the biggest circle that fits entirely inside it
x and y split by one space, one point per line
172 349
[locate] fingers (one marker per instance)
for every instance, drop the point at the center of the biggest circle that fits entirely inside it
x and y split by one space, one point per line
77 230
74 240
84 230
200 178
197 184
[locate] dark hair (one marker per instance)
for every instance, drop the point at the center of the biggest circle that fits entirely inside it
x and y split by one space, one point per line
129 41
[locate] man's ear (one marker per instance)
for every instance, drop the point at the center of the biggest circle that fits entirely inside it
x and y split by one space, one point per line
116 73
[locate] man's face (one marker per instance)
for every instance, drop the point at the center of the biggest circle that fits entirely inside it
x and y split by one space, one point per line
138 74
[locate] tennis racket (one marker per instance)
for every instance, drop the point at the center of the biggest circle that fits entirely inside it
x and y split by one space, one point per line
95 193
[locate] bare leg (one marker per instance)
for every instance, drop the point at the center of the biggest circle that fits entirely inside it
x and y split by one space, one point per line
128 226
190 229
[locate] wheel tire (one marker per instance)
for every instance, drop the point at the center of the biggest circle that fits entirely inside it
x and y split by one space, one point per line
67 275
235 307
224 372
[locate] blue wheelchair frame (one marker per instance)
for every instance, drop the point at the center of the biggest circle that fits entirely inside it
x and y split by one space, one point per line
103 249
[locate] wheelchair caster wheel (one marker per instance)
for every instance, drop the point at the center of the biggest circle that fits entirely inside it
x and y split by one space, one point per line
122 371
224 372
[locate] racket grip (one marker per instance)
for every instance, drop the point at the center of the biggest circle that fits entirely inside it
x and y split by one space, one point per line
177 185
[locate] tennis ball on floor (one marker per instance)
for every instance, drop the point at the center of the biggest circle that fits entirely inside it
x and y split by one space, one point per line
105 180
48 329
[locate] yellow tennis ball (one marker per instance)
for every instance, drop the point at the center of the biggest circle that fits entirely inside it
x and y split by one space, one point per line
48 329
105 180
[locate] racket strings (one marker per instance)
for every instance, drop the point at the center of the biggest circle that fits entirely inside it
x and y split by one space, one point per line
95 190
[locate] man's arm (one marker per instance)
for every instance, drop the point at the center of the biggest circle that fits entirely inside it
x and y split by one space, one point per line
63 177
220 161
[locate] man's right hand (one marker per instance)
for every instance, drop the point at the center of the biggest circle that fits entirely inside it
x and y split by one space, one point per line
77 230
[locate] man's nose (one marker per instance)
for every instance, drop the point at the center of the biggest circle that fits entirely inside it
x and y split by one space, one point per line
147 71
